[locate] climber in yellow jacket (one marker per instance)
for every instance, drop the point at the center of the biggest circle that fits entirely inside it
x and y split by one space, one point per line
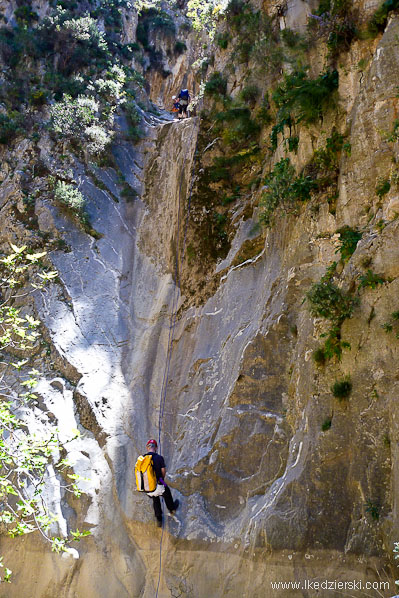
160 471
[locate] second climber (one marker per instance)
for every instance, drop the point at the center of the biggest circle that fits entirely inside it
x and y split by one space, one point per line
184 100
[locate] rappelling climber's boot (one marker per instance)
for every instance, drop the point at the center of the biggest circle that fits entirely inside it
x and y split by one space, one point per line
159 522
175 507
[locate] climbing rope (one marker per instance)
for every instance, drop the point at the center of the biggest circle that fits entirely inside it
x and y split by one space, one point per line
173 319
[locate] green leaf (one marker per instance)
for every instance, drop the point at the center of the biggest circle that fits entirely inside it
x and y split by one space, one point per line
77 535
33 257
18 365
7 575
58 545
18 250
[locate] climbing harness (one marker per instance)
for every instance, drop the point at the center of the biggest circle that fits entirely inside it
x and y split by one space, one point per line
173 318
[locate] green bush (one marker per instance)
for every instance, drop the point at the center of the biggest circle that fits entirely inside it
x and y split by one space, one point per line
326 425
279 128
278 190
237 128
235 9
379 19
302 187
222 40
392 324
290 37
283 190
324 166
70 197
374 509
61 85
180 47
348 239
341 35
87 61
38 97
370 280
249 94
334 345
305 98
24 15
327 158
319 356
218 172
77 40
328 301
10 127
338 24
394 135
255 38
77 121
219 223
69 118
15 43
341 389
382 187
292 144
216 85
98 138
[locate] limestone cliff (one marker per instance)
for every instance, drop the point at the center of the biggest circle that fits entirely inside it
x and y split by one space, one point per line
180 303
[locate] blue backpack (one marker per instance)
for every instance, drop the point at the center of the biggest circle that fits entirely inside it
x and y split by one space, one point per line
184 95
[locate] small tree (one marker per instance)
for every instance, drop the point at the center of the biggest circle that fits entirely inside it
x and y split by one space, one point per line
27 461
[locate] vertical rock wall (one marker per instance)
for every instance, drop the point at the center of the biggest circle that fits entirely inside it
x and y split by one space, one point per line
266 493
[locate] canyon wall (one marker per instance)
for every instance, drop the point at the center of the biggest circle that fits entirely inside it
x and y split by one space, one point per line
154 325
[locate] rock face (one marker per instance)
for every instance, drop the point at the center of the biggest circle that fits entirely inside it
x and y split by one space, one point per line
278 480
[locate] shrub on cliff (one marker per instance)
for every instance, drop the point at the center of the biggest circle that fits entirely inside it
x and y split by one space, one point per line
216 85
348 240
69 118
379 19
70 197
303 97
283 189
326 300
236 127
10 126
341 389
77 120
31 462
77 41
24 15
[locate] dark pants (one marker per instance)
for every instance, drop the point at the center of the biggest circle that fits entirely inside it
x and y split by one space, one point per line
167 496
183 109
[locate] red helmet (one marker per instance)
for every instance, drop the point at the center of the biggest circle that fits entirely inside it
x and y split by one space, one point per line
152 442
